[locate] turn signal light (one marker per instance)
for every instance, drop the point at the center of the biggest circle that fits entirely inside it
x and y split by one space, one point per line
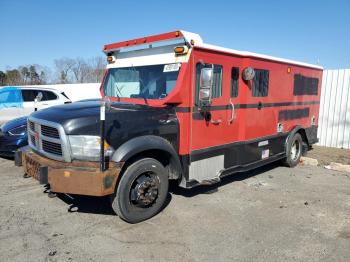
181 50
105 145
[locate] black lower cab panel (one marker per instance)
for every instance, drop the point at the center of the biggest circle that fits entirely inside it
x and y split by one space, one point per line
206 166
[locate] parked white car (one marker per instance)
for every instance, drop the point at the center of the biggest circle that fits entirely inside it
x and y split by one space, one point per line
19 101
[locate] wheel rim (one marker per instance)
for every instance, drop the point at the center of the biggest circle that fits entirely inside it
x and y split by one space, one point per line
144 190
295 150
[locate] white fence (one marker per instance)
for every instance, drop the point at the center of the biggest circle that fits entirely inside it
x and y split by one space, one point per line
334 119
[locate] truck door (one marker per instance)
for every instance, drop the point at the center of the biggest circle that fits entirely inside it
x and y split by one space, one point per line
213 127
261 136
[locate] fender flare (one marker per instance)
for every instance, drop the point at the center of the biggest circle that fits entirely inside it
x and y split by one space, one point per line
140 144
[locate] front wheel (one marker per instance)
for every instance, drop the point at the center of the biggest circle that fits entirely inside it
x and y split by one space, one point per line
142 191
294 150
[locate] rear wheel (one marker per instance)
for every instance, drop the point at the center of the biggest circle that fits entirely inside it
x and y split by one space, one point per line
142 191
294 150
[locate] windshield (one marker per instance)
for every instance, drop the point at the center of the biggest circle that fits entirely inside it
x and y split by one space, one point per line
148 82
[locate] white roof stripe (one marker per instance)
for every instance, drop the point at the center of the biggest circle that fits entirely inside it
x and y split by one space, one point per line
250 54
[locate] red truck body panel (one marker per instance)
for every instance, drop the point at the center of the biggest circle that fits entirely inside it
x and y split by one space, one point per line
254 118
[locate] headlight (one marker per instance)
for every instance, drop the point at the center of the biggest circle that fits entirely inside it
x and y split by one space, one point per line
87 147
18 131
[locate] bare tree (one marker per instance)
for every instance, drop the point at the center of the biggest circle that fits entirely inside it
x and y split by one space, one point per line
98 65
81 70
68 70
64 68
25 74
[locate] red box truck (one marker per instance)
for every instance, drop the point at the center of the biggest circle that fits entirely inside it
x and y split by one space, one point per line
175 108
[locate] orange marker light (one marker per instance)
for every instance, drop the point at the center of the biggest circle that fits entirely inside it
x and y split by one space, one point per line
105 145
177 33
289 70
110 59
181 50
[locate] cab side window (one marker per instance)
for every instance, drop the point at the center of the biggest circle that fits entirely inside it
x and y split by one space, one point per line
217 81
234 81
261 82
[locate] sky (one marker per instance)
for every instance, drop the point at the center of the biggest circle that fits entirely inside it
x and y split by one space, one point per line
39 31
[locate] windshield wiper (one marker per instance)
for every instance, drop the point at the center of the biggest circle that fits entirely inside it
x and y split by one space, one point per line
142 85
119 89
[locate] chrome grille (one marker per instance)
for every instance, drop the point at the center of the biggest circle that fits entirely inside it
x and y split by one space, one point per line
31 126
32 138
52 148
49 131
48 139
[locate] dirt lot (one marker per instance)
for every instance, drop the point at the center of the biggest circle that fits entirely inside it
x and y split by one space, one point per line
326 155
272 214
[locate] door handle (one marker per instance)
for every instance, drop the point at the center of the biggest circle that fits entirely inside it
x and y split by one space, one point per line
232 112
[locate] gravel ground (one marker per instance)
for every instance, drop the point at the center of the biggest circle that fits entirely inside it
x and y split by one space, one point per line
271 214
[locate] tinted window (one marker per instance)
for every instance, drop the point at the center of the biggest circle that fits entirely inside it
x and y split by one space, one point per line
217 81
261 82
305 85
48 95
29 95
234 81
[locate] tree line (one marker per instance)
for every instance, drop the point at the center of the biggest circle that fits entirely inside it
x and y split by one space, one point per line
66 71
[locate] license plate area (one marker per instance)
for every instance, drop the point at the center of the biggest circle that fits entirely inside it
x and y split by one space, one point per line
32 167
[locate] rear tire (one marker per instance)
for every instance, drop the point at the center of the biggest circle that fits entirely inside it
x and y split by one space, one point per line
142 191
294 150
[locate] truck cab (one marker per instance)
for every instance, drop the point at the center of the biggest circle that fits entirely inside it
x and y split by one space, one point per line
174 108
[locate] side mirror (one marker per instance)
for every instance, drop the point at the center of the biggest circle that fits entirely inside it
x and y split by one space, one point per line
39 97
205 85
248 74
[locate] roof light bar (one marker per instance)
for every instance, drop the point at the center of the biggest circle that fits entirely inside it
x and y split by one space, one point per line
188 37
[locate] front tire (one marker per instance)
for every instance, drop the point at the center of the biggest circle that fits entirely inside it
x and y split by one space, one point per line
142 191
294 150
